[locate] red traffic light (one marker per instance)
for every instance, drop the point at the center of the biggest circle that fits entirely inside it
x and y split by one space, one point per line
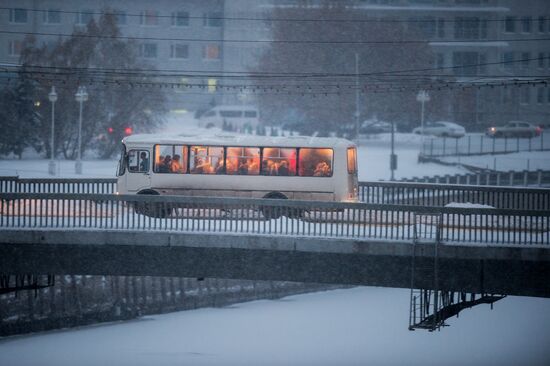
110 130
128 131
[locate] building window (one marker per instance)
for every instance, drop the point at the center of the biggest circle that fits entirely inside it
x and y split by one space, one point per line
525 95
149 18
440 60
507 59
510 25
52 16
526 24
15 47
211 52
148 50
542 24
465 63
525 56
540 95
18 15
180 19
120 17
441 28
179 51
213 19
470 28
541 60
84 17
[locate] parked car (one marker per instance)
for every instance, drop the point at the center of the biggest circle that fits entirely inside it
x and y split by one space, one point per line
441 128
375 126
514 129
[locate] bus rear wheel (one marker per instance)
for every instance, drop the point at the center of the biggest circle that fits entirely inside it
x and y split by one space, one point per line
270 212
154 210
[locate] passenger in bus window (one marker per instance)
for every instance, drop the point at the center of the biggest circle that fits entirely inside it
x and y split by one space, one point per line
219 167
144 163
243 167
175 166
322 170
165 164
283 168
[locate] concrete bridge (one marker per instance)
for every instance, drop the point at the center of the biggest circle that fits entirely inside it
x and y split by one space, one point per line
461 268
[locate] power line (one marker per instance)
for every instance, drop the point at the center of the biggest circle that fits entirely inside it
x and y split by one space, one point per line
243 74
263 19
218 40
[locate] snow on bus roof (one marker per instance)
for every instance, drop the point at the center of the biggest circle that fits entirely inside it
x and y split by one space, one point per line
237 140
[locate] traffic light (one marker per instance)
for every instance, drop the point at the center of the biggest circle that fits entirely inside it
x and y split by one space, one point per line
128 131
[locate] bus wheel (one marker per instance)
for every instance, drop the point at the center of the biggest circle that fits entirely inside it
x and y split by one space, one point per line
273 212
155 210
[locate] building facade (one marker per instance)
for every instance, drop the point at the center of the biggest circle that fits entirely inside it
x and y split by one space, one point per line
212 39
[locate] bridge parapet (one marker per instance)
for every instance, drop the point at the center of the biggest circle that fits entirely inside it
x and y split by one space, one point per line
477 226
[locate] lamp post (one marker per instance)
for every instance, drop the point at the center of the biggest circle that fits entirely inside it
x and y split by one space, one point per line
52 96
80 96
422 97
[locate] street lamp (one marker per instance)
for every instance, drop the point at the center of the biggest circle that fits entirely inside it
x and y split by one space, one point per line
422 97
80 96
53 98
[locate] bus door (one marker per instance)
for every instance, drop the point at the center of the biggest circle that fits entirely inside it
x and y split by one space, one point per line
353 184
138 175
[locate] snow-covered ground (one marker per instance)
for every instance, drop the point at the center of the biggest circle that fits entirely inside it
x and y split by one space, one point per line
359 326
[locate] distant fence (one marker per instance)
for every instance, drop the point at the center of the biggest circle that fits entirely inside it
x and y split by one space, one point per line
426 194
14 184
482 145
272 217
524 178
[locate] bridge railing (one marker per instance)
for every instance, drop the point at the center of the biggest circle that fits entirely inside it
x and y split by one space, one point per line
426 194
274 217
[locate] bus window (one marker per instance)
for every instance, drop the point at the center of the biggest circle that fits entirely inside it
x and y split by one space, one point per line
315 162
206 160
243 160
250 114
170 159
231 114
138 161
352 160
279 161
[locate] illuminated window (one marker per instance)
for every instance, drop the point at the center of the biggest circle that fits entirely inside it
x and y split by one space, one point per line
243 160
212 85
352 160
206 160
315 162
211 52
138 161
279 161
170 159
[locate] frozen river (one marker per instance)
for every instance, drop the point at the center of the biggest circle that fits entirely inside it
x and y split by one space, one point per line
358 326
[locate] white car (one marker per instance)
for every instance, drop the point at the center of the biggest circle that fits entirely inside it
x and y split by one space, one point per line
514 129
441 128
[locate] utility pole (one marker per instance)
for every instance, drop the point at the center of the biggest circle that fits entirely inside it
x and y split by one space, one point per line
356 95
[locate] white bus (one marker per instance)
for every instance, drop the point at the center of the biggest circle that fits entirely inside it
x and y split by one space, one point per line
236 116
305 168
